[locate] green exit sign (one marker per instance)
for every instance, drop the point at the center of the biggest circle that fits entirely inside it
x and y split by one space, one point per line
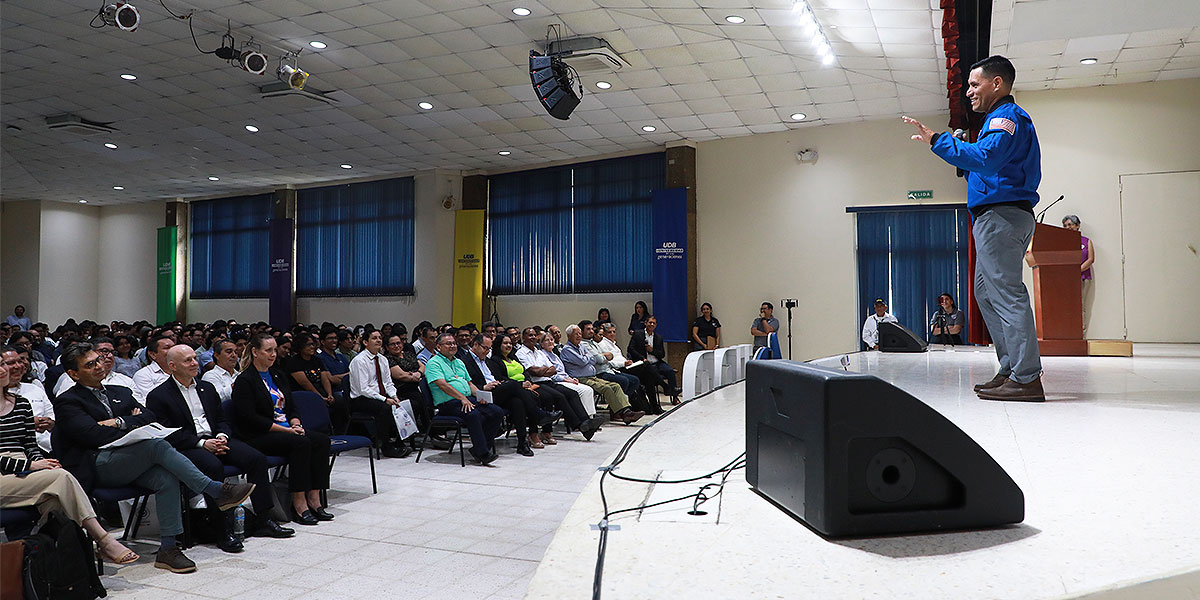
920 194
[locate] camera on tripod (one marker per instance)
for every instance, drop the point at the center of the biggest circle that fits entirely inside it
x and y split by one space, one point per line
789 302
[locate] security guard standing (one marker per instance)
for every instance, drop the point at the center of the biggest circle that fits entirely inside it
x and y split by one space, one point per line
1004 167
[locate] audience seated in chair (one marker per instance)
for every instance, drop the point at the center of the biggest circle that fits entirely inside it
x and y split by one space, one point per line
372 392
205 438
582 365
647 345
454 396
15 358
91 416
310 374
153 374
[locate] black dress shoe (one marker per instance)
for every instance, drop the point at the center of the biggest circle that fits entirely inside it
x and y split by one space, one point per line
270 528
524 451
550 417
229 544
321 514
396 451
306 518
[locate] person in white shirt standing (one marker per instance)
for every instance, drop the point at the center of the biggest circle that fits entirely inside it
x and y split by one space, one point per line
225 370
152 375
373 393
870 331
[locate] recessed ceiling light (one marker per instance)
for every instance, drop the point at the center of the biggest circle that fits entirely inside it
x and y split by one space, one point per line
604 85
425 105
83 201
799 116
345 166
110 145
213 178
1089 61
128 76
649 128
251 129
318 45
736 20
118 187
521 11
504 152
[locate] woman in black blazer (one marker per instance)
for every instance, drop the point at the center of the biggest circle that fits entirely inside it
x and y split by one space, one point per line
265 418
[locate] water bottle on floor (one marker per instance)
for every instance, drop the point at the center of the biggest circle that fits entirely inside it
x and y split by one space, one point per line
239 523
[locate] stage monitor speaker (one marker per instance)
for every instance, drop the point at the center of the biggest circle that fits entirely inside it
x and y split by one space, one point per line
552 83
851 455
894 337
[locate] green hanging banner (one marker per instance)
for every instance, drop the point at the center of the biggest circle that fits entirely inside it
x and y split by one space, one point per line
166 274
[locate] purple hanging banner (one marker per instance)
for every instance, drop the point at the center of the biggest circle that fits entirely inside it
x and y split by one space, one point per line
282 303
669 209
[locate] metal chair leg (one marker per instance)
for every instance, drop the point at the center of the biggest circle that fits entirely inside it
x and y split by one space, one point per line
421 448
374 486
462 453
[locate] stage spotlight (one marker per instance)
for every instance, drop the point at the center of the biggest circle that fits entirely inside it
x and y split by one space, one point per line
293 76
253 61
121 15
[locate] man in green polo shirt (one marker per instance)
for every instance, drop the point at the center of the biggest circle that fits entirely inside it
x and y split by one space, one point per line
454 396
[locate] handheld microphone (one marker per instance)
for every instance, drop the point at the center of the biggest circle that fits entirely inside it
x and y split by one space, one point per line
1042 215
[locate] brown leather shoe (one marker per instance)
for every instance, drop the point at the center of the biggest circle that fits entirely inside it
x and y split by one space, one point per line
173 560
548 439
535 441
628 416
233 494
994 382
1011 390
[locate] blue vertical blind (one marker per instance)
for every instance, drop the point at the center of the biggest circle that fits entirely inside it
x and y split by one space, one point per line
574 229
356 239
908 258
229 247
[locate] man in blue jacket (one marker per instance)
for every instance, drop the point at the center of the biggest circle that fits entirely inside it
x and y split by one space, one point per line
1004 168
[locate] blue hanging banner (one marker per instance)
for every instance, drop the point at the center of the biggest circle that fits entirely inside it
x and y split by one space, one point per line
282 300
670 264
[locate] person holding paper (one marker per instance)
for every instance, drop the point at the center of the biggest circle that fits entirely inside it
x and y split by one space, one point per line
372 391
647 377
498 372
454 395
648 345
205 438
91 417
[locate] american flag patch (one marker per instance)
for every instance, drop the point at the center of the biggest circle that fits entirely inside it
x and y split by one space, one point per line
1002 123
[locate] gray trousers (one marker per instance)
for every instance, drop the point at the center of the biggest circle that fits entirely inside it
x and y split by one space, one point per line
1001 236
155 465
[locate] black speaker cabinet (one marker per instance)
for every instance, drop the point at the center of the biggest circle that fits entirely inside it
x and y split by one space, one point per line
552 84
852 455
894 337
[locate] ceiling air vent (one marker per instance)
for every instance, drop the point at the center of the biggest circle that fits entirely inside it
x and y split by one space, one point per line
77 125
587 54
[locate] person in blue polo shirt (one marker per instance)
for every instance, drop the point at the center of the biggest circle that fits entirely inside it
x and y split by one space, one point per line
1004 168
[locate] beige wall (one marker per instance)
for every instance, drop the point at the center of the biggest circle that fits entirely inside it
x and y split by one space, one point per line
770 227
127 258
1092 136
20 249
70 248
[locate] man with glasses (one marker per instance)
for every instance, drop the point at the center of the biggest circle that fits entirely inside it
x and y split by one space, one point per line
454 396
106 349
335 362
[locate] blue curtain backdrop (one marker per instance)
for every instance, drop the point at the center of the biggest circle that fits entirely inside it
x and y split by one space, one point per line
576 228
356 239
908 258
229 247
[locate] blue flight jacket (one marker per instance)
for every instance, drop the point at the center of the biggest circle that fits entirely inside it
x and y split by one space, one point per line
1005 162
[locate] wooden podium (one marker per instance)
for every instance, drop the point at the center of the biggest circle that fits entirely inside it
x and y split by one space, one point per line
1057 291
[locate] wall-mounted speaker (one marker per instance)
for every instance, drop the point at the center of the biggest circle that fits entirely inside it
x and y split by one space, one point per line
894 337
551 79
852 455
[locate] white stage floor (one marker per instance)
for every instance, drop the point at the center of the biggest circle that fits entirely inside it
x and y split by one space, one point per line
1110 468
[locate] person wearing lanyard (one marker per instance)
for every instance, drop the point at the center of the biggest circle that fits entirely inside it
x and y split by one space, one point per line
265 418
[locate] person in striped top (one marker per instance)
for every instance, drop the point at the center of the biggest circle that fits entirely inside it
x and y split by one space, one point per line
29 479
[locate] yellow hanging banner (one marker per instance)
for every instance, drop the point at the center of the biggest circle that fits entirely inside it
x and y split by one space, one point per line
468 266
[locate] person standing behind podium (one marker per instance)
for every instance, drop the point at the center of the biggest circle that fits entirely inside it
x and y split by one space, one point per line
870 331
946 323
705 326
1004 169
764 325
1085 267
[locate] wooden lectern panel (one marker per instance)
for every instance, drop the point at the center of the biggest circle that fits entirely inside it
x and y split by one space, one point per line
1057 291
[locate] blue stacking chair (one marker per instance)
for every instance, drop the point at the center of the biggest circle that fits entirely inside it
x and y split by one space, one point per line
762 353
140 497
273 462
773 344
442 422
315 416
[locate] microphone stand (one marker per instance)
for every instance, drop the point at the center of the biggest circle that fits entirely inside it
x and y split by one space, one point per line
1042 215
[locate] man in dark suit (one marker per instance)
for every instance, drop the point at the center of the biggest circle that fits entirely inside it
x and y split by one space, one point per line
488 374
648 346
205 438
91 416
